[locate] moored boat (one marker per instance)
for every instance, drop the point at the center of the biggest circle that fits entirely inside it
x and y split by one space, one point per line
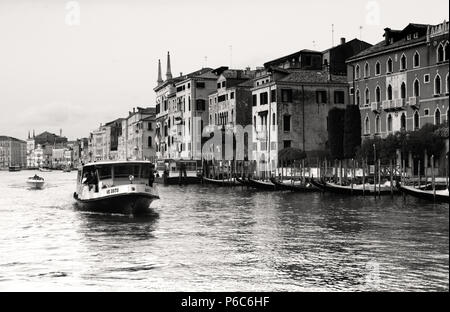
357 189
36 182
42 169
262 185
116 186
223 182
437 195
14 168
172 172
295 187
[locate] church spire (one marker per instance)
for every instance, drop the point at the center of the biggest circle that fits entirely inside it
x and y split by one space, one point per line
169 71
160 81
29 134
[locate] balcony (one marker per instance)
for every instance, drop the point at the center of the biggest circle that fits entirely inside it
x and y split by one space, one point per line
414 102
261 135
392 105
375 106
387 104
400 103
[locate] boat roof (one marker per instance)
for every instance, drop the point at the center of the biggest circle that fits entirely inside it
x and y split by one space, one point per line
117 162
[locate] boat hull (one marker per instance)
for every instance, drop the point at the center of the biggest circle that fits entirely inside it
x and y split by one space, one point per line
181 180
37 185
264 186
124 204
225 182
427 195
347 190
294 188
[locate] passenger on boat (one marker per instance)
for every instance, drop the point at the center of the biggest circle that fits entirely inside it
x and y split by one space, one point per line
91 180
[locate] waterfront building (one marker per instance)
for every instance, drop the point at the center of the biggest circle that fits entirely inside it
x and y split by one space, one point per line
402 83
13 152
104 141
291 99
180 101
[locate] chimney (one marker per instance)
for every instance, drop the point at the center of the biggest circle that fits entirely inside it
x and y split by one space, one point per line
160 81
134 110
181 74
342 40
60 132
169 71
387 35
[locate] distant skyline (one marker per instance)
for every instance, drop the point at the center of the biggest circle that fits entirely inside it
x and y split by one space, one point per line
61 72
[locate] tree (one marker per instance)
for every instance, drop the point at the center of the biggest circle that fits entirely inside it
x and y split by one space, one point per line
352 131
336 133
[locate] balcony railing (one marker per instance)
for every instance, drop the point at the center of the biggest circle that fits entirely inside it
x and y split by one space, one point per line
375 106
393 104
414 102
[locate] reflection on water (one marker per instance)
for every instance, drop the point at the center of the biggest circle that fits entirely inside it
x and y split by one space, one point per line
220 239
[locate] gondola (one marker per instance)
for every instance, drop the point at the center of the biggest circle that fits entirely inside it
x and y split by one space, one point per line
437 196
357 189
223 182
262 185
295 187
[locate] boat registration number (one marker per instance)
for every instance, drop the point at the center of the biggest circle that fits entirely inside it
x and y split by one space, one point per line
112 191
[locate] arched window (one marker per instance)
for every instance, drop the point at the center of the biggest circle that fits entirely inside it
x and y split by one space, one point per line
357 72
366 70
367 125
377 124
389 66
367 96
403 90
416 62
403 122
254 121
273 120
377 94
437 84
403 62
416 120
437 117
440 53
377 68
357 97
416 87
446 53
389 123
389 92
446 84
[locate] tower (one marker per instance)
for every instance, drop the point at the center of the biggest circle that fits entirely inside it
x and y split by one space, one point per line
160 81
169 71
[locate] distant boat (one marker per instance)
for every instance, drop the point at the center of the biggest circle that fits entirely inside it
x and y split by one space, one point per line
44 169
356 189
15 168
116 187
295 187
36 182
438 195
172 172
223 182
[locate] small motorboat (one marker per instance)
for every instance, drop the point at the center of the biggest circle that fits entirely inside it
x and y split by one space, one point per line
42 169
36 182
116 187
436 195
223 182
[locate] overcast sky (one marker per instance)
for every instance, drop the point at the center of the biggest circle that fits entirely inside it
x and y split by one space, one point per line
58 71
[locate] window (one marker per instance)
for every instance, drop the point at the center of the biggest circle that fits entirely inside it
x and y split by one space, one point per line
437 85
286 95
223 84
189 85
446 84
403 62
366 70
149 126
273 96
232 95
416 120
389 66
357 72
287 143
426 112
377 94
403 91
367 96
218 85
321 97
357 97
389 92
274 120
377 124
254 99
416 62
254 121
426 78
222 98
416 88
437 117
377 68
446 52
200 85
389 123
403 122
149 143
440 53
367 125
286 123
339 97
263 98
201 104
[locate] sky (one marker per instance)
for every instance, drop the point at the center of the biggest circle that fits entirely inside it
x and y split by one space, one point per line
72 65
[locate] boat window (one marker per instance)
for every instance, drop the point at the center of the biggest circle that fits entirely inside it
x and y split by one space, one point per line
124 171
104 173
145 173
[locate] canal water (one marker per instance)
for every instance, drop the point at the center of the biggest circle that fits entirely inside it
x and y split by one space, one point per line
205 238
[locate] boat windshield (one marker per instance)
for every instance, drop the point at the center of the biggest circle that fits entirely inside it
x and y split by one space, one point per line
122 173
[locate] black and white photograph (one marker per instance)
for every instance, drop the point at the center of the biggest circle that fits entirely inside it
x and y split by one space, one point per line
240 146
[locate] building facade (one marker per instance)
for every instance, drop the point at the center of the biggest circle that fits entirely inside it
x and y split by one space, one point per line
13 152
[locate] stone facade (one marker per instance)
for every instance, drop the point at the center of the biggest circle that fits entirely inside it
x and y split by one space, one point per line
13 152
